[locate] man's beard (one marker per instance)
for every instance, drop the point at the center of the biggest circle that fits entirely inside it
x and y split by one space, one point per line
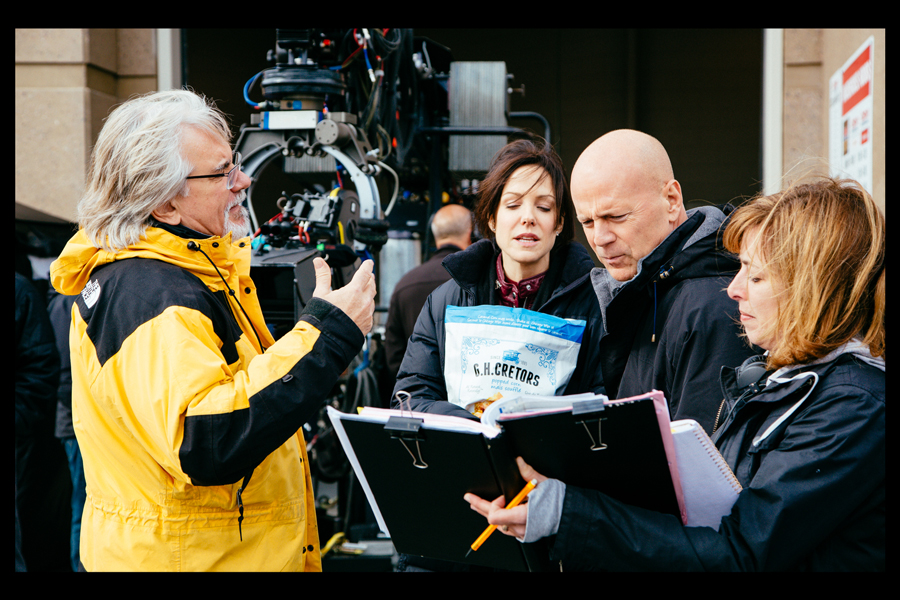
241 227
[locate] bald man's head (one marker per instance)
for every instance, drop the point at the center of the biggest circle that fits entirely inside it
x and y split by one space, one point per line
452 224
626 198
624 154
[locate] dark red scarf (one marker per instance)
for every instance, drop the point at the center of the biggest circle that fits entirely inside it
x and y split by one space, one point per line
517 295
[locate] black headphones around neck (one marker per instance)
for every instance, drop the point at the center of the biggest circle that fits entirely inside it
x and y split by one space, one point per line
751 371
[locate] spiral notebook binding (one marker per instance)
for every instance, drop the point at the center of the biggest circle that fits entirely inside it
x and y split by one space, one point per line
719 461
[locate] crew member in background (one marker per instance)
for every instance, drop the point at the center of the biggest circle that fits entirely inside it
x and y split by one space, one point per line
451 227
36 374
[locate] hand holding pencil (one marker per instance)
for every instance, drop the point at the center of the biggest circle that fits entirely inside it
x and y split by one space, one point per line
511 519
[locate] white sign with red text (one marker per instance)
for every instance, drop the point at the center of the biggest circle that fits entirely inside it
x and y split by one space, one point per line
850 117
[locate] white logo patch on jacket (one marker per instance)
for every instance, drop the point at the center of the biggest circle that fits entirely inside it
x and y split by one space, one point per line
91 293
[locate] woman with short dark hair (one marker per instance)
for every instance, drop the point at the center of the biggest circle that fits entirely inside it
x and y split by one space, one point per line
528 260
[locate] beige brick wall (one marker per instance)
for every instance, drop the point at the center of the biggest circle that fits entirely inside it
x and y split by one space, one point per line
67 80
811 57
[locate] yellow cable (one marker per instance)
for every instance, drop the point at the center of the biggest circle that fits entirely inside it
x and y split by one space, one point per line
334 194
336 540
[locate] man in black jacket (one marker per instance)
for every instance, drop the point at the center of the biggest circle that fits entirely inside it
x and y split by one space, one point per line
669 323
39 478
451 227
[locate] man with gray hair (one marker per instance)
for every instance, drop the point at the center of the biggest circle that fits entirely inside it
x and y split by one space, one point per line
187 412
451 227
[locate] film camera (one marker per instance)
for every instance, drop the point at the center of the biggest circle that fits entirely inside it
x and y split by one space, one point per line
325 96
343 111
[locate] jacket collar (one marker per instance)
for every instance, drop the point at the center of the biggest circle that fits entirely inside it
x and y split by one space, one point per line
766 390
473 268
181 231
733 386
470 267
71 271
790 386
691 251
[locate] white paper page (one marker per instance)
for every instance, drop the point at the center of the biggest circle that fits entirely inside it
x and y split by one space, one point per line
431 420
492 413
336 416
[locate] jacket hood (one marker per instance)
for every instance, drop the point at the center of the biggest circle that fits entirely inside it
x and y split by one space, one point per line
854 347
80 258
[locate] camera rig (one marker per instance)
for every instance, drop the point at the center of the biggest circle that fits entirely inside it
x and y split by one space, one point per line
309 123
342 112
345 110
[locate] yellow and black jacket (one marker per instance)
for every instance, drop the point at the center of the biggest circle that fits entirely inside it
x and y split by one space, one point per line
189 430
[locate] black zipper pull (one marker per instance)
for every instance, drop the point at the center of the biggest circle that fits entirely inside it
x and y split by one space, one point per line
240 500
241 512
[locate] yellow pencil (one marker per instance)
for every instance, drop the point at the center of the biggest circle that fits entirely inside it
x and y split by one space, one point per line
512 504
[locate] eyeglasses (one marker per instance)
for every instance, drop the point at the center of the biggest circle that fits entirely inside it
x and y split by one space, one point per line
231 175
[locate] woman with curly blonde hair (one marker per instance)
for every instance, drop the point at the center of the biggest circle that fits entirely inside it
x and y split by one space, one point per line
801 426
823 243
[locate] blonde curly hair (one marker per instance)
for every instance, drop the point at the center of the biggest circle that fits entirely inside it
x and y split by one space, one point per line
823 242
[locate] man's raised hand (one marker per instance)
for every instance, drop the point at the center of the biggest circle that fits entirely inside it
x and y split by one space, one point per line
356 299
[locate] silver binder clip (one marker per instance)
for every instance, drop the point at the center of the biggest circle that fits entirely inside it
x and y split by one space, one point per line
407 429
590 412
400 396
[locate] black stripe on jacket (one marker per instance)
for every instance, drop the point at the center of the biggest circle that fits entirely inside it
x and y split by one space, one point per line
221 449
135 291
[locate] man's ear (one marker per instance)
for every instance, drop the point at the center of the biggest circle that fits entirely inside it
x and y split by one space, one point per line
673 195
167 213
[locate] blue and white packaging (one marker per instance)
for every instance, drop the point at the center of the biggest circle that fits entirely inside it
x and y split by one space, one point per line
513 351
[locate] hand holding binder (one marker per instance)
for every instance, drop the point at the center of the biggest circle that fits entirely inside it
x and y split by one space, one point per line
419 507
514 519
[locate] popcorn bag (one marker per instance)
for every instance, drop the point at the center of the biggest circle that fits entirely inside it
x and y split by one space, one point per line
499 351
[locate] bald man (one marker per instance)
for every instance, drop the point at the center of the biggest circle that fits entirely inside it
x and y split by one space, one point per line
451 227
669 324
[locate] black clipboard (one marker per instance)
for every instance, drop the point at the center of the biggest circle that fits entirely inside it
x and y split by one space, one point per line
416 474
616 448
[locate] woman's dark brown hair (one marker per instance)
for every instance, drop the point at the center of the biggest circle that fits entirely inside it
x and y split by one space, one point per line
522 153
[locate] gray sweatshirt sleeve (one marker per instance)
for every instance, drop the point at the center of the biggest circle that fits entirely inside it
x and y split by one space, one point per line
544 510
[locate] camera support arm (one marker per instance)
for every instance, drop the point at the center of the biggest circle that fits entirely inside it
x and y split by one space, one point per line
261 146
